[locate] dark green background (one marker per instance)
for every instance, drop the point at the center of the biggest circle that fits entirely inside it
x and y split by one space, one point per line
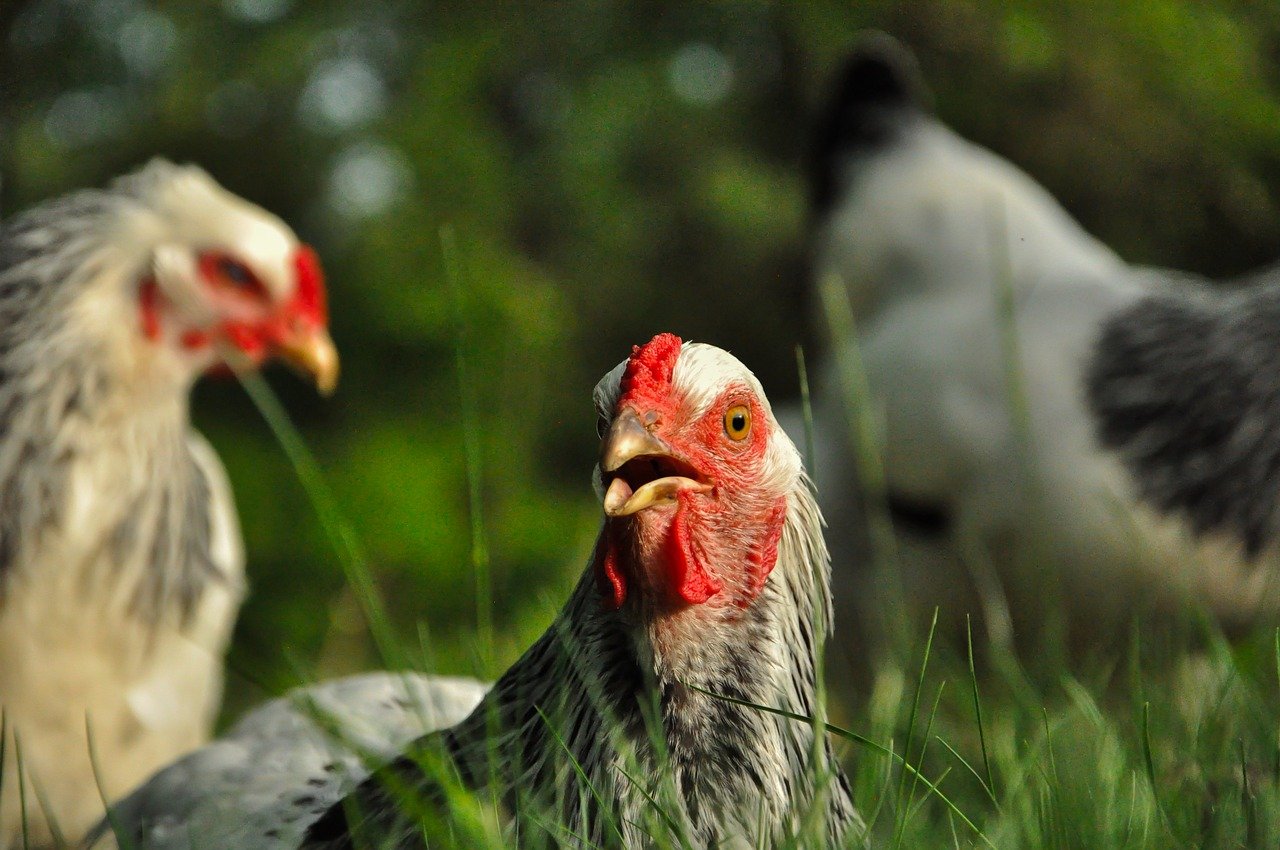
611 169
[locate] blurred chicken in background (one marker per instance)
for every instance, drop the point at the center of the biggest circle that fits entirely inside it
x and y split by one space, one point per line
121 568
984 321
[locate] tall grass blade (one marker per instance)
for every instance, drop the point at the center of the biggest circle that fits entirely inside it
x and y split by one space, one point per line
924 747
471 447
989 784
885 788
972 771
819 605
50 816
864 433
916 807
806 409
1275 746
124 841
899 807
582 775
4 742
1247 802
1007 316
667 820
1148 761
560 831
1035 553
341 533
22 793
862 741
1149 764
1055 783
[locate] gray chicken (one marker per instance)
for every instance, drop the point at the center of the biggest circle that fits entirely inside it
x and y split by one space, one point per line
709 577
1041 467
228 793
121 568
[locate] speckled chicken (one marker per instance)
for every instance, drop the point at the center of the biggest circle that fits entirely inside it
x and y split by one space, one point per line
121 568
709 576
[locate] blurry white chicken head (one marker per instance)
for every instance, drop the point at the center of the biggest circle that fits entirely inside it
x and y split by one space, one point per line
876 91
225 283
905 208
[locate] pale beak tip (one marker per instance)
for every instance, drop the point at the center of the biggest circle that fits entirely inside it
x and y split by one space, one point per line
615 498
327 377
316 355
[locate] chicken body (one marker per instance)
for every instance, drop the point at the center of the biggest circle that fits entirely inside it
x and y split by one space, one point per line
121 567
980 309
710 577
83 677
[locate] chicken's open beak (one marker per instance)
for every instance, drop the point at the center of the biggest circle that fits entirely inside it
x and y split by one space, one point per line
312 351
641 469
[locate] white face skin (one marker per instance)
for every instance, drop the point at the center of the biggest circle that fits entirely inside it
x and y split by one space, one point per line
218 219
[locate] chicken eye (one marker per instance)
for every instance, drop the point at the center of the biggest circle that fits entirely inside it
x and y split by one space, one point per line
225 271
737 422
236 273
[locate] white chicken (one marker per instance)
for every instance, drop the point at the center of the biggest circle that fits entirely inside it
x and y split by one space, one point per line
121 568
986 322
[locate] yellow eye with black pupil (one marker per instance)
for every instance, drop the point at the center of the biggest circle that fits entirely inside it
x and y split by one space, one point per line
737 422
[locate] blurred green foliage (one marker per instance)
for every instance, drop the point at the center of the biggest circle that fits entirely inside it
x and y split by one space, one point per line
611 169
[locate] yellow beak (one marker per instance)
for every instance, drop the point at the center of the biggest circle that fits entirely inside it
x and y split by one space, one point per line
314 353
628 438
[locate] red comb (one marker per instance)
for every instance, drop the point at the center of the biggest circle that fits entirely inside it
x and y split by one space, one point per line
309 300
651 365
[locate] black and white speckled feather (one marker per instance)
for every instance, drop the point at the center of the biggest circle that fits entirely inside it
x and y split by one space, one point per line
1187 390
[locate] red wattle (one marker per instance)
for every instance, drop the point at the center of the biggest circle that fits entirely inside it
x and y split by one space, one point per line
763 558
608 575
686 577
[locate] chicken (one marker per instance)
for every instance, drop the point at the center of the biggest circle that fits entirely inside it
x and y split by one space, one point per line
121 568
709 577
984 319
326 732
